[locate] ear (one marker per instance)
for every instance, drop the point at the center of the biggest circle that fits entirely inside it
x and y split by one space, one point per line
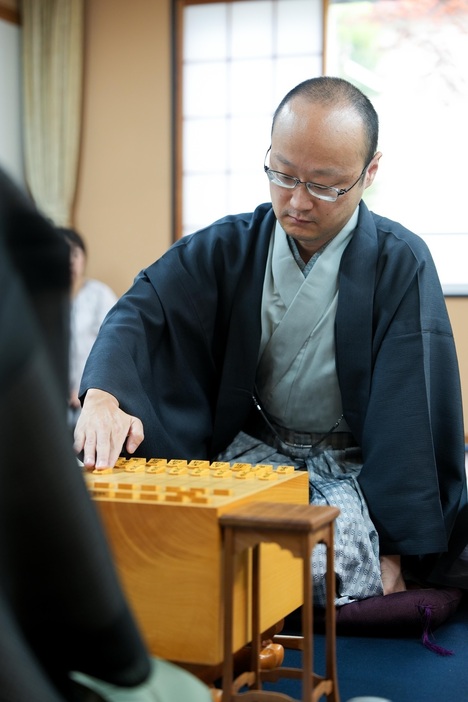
372 169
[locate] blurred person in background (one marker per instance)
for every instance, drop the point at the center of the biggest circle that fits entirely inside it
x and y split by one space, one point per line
91 300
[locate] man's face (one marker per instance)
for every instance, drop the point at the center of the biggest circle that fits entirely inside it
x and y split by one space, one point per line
321 145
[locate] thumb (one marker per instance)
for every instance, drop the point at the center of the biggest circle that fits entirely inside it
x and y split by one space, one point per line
135 435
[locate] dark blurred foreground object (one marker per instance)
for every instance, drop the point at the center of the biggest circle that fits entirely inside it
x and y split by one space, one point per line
61 605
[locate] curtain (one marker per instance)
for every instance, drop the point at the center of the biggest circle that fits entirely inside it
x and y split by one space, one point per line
53 74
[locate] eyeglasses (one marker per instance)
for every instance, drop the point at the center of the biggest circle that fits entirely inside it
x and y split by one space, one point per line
322 192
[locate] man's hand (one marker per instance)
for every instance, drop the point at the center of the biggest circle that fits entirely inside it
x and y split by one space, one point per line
103 428
392 579
73 400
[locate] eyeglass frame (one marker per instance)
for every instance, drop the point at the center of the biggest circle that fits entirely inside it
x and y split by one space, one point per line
338 191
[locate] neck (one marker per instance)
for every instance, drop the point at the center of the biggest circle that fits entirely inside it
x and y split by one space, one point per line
309 248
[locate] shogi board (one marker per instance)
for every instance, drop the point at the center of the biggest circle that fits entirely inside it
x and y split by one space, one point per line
167 544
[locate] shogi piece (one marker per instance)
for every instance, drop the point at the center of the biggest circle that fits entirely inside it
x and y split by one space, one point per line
297 529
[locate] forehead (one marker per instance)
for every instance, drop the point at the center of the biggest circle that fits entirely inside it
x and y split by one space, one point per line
323 136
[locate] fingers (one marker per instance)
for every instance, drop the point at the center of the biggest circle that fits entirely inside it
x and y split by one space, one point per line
102 429
95 444
135 435
79 438
108 445
102 448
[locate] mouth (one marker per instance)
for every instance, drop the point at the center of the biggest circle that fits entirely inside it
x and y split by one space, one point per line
297 219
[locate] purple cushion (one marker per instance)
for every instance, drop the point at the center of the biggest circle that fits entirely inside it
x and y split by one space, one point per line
406 613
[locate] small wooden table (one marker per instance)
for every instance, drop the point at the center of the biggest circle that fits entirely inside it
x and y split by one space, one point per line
297 528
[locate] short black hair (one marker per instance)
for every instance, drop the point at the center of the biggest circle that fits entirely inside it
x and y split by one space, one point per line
330 90
73 238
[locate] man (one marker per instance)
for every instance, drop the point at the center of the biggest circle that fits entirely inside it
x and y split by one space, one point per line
312 331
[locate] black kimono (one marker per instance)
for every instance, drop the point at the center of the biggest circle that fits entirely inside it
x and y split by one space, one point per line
180 348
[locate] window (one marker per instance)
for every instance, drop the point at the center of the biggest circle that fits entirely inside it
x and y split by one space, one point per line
410 58
238 60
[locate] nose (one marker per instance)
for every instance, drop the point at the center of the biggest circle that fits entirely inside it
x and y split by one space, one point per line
301 199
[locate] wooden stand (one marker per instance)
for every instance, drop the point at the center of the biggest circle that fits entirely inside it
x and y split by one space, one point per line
297 528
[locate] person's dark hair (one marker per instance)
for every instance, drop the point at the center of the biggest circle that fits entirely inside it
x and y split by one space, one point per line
73 238
329 90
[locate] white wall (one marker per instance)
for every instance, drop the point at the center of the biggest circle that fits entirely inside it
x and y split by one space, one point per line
11 153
